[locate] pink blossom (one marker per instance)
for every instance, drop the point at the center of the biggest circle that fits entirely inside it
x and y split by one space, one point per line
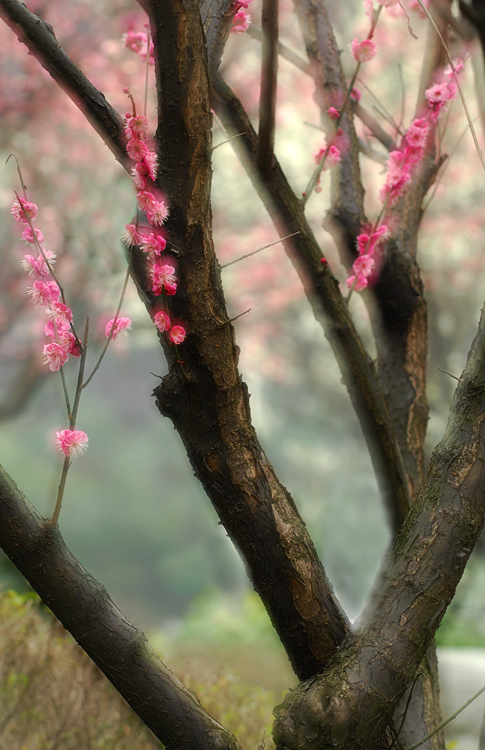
163 278
363 265
136 126
358 282
145 200
162 321
122 325
356 94
363 51
72 442
136 41
28 236
56 328
156 213
240 22
149 161
177 334
55 356
438 95
59 310
331 155
154 244
37 267
398 177
131 235
21 209
333 113
136 149
44 293
69 343
417 133
367 243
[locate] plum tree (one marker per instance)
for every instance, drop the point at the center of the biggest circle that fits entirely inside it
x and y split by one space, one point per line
355 683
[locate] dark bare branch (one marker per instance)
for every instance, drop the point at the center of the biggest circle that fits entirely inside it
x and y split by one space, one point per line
267 100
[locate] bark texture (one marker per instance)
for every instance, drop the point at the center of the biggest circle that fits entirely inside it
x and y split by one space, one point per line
351 702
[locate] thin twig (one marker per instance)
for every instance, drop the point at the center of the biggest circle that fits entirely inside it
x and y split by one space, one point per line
248 255
447 721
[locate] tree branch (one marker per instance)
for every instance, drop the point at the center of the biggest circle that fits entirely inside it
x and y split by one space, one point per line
39 38
267 97
210 408
121 651
357 695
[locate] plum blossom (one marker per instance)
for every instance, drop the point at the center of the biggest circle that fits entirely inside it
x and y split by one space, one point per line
55 356
363 51
44 293
177 334
37 268
331 154
163 278
136 149
398 177
131 235
154 244
121 326
71 442
162 321
30 237
438 95
136 126
23 210
157 212
240 22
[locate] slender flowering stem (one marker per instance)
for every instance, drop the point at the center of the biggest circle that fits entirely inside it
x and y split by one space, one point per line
145 103
113 327
52 523
66 393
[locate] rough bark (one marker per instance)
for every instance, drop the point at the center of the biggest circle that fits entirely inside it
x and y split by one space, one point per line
351 702
210 407
120 650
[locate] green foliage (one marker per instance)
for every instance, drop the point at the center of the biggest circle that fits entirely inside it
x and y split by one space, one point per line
53 696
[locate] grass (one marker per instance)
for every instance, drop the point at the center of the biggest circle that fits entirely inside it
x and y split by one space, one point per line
52 696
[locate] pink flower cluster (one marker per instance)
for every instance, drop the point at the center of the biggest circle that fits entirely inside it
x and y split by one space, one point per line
242 19
137 41
151 239
364 266
401 162
71 442
363 51
45 291
439 94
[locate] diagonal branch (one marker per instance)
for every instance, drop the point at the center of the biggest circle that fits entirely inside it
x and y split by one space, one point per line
121 651
39 38
415 586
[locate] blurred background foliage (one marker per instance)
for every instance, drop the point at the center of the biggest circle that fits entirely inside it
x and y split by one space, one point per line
134 514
